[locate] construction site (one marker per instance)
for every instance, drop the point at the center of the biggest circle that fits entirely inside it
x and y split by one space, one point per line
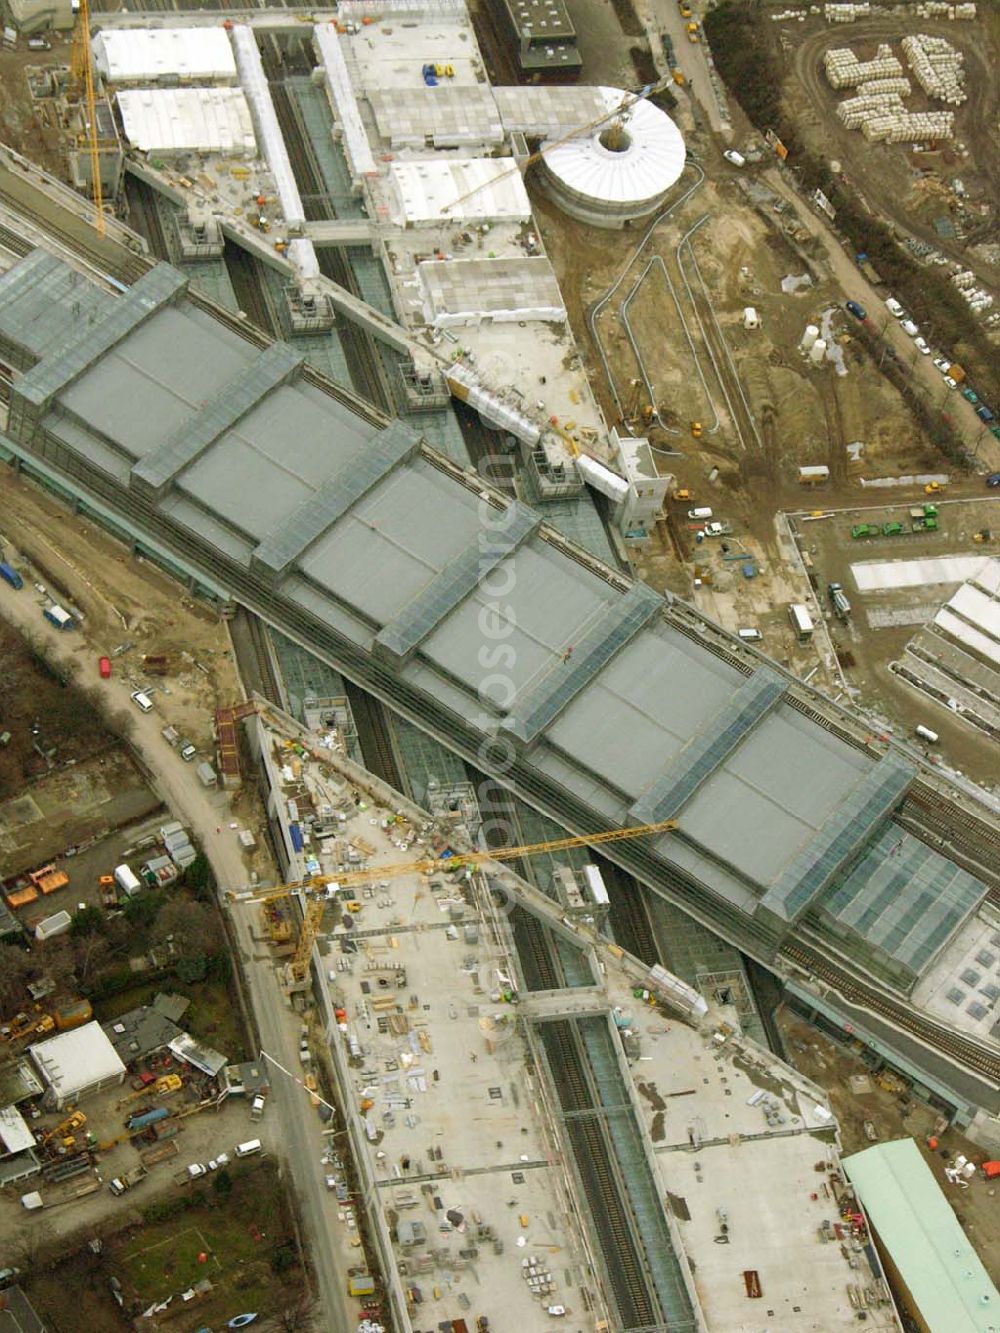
502 685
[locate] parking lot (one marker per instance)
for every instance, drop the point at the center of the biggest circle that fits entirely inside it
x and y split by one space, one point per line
891 597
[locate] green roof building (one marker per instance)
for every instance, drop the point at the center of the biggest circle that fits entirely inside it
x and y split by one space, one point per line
935 1272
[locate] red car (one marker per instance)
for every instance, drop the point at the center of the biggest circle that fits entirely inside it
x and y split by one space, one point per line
104 666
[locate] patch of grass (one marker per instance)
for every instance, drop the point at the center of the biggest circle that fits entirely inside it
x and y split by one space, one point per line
158 1268
240 1236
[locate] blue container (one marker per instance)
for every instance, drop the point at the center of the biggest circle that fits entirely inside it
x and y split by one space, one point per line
11 576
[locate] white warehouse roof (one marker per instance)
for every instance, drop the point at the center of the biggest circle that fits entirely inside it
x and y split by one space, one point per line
457 190
77 1059
15 1135
147 55
178 120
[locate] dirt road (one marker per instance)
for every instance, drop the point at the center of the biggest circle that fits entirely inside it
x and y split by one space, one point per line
857 288
292 1128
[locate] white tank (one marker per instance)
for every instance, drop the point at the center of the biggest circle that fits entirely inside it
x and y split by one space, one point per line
809 337
817 352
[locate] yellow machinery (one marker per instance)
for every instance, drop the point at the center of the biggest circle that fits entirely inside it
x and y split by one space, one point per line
314 906
161 1087
81 81
65 1128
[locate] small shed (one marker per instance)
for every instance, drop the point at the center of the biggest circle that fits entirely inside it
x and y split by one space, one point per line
751 320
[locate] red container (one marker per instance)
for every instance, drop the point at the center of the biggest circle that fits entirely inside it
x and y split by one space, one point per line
104 666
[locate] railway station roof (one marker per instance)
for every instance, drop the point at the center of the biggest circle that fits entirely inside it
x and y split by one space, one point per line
357 537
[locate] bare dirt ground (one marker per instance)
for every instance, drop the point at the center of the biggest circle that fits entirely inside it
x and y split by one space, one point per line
893 1116
152 614
896 182
27 124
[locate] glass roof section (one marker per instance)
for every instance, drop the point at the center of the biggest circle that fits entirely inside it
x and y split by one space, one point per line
454 583
851 824
904 899
89 342
42 297
272 367
706 751
335 497
621 621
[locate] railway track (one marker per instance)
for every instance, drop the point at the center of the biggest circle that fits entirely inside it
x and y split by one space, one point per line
125 267
360 351
962 1050
374 735
588 1141
256 668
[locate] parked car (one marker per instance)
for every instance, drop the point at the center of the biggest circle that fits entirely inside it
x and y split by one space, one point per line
942 364
909 328
737 159
852 307
970 396
993 479
894 308
984 413
922 345
104 667
952 384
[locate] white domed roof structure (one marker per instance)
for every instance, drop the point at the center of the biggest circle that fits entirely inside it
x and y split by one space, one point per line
620 171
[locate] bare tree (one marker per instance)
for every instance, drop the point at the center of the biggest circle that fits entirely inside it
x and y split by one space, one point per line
192 925
31 1242
16 967
299 1314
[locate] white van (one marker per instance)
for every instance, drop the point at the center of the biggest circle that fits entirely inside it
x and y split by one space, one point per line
702 512
926 734
249 1148
750 635
142 701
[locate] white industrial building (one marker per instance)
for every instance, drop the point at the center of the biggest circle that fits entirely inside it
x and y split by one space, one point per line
187 120
955 659
139 56
76 1064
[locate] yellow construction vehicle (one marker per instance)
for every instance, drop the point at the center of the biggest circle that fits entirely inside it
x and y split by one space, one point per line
315 901
65 1129
161 1087
27 1025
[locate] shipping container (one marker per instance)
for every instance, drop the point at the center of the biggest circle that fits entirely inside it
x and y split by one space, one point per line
127 880
145 1118
801 622
295 833
10 575
53 925
207 775
73 1014
55 615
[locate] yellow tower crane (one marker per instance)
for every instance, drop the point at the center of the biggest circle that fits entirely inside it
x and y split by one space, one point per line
314 905
81 80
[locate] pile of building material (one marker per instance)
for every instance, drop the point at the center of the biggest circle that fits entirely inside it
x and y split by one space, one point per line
845 70
873 87
937 9
883 118
846 13
937 67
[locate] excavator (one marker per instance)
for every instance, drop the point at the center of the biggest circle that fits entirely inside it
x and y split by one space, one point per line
61 1138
